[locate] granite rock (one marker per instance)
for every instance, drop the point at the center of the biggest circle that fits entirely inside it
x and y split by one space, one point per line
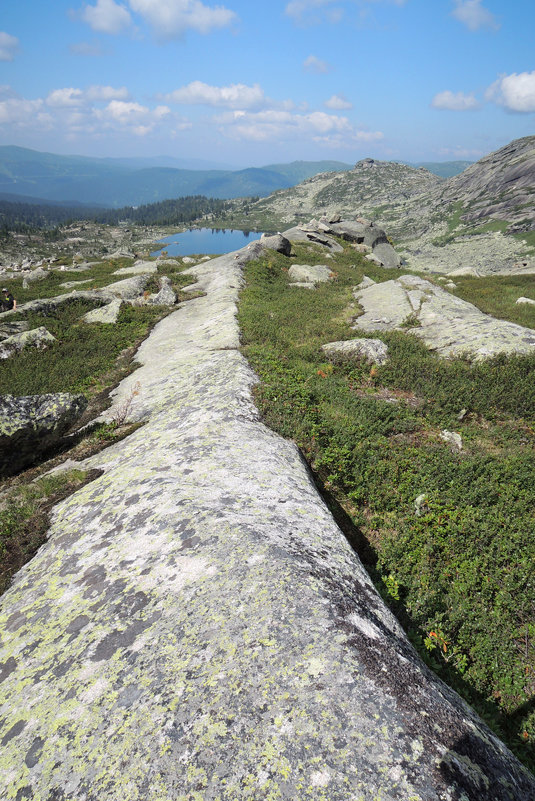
32 424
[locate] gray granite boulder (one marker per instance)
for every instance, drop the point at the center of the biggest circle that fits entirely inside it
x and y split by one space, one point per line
446 324
313 236
314 274
374 351
526 301
277 242
105 314
165 296
38 338
32 424
35 275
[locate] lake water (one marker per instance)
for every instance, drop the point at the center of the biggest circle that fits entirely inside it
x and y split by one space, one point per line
205 240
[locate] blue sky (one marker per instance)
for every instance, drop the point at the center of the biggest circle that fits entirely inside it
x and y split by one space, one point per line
247 83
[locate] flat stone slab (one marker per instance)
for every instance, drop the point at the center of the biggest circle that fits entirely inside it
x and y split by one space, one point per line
139 268
448 325
374 351
105 314
313 274
197 627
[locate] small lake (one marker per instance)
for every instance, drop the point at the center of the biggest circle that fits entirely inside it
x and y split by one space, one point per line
205 240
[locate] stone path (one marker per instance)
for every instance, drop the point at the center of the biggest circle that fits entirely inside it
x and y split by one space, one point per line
197 628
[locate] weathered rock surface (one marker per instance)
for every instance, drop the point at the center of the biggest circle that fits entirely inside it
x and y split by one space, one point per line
8 329
38 338
362 233
448 325
108 314
197 626
165 296
526 301
139 268
373 351
312 274
277 242
35 275
29 426
314 236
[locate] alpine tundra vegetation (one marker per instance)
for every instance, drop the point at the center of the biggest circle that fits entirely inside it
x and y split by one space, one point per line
286 550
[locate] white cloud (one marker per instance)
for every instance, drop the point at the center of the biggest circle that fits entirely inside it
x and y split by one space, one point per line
70 97
65 98
172 18
338 102
316 65
18 112
8 46
454 101
95 111
124 112
107 17
472 14
280 125
235 96
514 92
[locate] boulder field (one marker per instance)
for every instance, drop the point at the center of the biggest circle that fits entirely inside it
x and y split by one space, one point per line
197 627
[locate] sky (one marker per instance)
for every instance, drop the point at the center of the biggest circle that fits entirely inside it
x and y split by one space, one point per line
248 83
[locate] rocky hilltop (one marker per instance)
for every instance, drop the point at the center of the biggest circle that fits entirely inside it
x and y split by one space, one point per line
480 222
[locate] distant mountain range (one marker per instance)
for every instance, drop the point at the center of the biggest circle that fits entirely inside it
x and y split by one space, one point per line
118 182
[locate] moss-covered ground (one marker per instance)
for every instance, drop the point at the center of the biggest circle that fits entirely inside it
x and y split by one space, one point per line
460 574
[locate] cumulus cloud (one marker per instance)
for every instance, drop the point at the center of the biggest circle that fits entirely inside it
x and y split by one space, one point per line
338 102
173 17
472 14
168 18
65 98
316 65
234 96
93 111
277 125
70 97
19 112
8 46
454 101
514 92
107 17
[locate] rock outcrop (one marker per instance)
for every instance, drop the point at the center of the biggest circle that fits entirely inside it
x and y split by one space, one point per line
197 627
374 351
31 425
448 325
38 338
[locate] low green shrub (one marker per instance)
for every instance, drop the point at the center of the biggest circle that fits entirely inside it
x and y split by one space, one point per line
459 570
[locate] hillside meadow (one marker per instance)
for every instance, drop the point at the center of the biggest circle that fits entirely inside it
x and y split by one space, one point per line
457 566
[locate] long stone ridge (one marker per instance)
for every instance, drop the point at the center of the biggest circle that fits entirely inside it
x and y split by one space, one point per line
197 628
